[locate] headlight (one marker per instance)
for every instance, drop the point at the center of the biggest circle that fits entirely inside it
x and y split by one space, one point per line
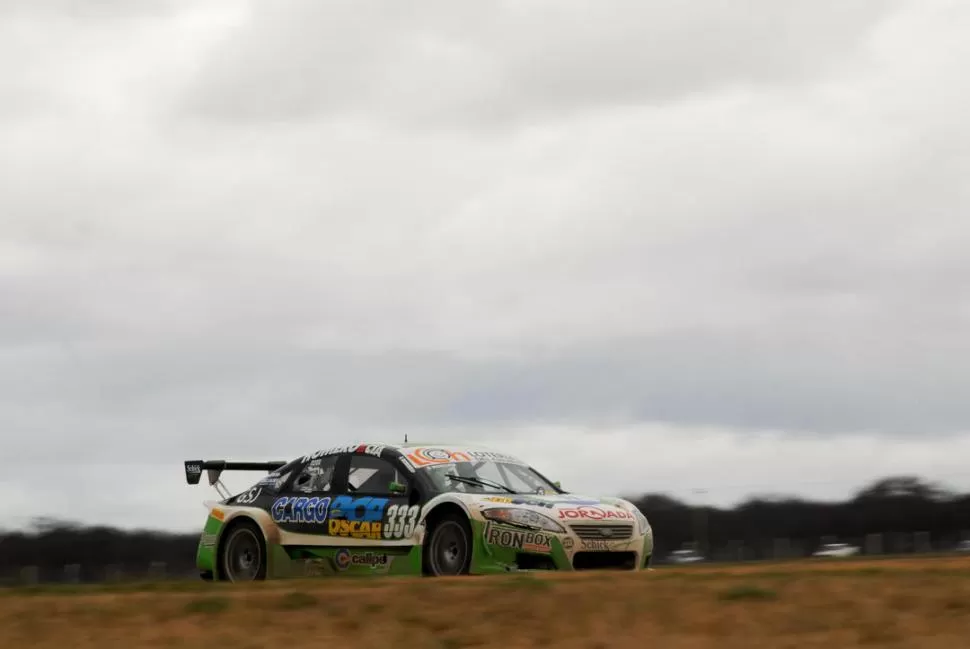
641 521
523 518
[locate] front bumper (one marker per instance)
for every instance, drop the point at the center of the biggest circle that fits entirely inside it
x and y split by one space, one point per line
503 548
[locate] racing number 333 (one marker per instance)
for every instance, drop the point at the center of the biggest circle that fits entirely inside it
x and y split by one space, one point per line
401 521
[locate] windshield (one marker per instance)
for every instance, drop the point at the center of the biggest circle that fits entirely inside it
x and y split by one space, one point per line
488 476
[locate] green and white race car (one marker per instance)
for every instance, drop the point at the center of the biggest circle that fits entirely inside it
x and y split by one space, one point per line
368 509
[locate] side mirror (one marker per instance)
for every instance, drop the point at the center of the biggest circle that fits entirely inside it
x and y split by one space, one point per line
397 488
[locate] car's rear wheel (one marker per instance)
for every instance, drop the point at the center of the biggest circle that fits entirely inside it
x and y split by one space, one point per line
448 550
243 556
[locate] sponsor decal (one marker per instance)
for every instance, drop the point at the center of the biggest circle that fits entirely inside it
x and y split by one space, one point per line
194 469
368 449
568 543
534 502
249 497
300 509
594 514
273 481
358 518
208 540
494 456
365 508
508 537
422 457
355 529
504 500
600 546
401 521
437 454
344 559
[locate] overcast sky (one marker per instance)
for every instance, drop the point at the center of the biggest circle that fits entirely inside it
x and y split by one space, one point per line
647 245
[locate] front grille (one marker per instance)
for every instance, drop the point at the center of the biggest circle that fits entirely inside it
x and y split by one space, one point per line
614 532
605 561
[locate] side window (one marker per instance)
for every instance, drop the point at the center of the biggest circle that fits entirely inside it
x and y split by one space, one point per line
372 475
317 475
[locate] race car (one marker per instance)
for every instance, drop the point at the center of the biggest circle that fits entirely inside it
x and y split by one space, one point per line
383 509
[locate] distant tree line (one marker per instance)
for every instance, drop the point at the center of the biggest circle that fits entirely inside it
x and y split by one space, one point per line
893 515
906 514
62 550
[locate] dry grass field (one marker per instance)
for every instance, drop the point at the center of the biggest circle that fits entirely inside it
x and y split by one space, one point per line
922 603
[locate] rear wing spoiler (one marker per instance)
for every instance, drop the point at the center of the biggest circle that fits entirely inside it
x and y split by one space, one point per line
214 469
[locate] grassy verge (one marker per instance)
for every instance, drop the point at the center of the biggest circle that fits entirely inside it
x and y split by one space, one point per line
901 603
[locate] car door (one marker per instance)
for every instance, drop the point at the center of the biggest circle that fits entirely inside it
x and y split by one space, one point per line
304 504
374 506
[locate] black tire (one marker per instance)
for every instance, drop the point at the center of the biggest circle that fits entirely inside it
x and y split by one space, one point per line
448 547
242 553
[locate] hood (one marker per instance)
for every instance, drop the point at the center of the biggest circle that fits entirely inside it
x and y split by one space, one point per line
563 508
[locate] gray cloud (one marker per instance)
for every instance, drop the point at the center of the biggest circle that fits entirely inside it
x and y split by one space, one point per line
88 10
165 400
456 63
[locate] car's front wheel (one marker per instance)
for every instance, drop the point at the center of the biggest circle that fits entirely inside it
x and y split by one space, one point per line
244 553
448 549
